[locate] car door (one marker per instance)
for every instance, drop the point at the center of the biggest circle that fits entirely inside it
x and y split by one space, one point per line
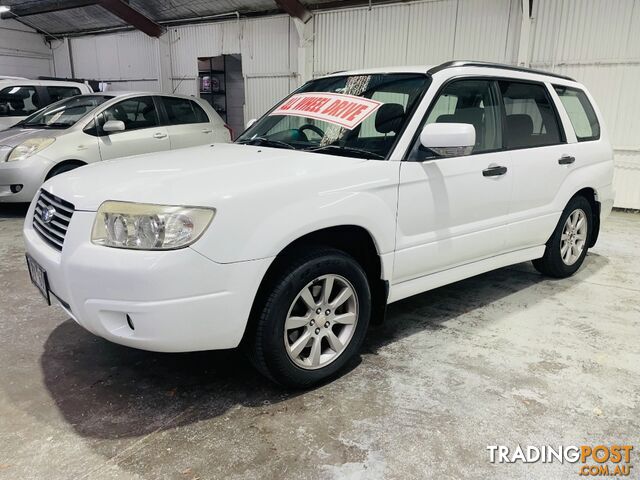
539 150
187 123
142 134
453 211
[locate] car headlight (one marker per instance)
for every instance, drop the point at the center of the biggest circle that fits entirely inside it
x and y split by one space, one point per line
28 148
143 226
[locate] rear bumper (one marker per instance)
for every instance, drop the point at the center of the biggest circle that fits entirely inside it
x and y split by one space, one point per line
30 173
175 301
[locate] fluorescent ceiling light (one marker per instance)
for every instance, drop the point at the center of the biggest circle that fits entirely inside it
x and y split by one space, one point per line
4 8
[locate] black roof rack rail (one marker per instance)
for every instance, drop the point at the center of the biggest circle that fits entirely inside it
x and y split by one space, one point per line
471 63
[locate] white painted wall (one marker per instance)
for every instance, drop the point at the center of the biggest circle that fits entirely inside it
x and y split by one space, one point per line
23 52
594 41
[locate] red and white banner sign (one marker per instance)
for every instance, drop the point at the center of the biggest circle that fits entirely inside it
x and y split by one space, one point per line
348 111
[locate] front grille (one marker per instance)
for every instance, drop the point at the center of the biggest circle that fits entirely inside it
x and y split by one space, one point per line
51 218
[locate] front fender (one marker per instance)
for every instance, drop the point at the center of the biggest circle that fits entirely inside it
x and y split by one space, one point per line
262 222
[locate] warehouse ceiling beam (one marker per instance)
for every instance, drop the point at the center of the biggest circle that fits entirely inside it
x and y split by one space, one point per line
132 16
31 9
295 9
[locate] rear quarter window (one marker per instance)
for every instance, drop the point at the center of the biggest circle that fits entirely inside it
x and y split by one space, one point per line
58 93
581 113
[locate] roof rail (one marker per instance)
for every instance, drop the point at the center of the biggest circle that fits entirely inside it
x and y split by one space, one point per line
472 63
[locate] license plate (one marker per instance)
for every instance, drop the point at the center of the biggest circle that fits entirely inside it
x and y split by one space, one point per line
39 278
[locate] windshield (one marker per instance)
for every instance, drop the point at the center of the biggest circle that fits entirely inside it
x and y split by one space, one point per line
356 116
64 113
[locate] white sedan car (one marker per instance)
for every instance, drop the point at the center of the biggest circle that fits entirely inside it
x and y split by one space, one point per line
359 189
101 126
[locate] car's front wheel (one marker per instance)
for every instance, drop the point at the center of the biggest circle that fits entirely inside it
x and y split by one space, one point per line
313 320
567 247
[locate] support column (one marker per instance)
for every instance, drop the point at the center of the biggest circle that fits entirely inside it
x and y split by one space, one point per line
525 28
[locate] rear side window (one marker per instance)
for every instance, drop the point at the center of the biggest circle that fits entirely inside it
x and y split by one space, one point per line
531 120
181 111
18 101
583 117
58 93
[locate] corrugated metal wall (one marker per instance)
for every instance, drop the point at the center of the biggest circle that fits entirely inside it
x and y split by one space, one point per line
128 60
427 32
23 52
595 41
266 57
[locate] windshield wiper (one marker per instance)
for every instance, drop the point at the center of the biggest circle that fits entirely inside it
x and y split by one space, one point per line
45 125
354 152
267 143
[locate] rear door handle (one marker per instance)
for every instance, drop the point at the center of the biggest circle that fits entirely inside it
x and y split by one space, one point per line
566 160
206 130
159 135
494 171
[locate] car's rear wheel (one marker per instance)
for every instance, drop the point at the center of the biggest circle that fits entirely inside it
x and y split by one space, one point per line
567 247
313 320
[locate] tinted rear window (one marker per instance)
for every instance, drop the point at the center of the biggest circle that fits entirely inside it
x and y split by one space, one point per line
181 111
18 101
57 93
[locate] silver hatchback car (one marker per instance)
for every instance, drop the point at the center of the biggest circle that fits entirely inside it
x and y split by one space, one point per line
101 126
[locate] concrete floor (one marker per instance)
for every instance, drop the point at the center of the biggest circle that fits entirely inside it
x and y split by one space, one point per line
503 358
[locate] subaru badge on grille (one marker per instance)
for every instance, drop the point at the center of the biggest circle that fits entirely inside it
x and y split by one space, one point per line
47 214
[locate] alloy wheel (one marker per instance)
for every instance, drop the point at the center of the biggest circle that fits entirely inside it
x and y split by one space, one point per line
321 322
574 237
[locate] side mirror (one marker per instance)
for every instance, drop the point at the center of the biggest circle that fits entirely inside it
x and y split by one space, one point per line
251 122
113 126
449 139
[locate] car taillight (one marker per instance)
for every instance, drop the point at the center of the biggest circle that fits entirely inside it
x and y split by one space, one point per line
230 131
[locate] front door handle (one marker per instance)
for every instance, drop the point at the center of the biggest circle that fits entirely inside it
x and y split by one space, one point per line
566 160
159 135
494 171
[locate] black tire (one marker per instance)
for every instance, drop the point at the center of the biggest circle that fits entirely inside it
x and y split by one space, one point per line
266 343
65 167
551 263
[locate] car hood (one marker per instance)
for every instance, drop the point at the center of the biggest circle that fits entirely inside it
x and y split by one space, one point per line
15 136
199 176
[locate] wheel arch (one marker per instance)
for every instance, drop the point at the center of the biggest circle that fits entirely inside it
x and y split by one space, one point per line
77 163
592 197
354 240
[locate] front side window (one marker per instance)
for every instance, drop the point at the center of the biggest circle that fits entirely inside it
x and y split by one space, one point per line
57 93
135 113
472 102
181 111
583 117
18 101
530 118
65 113
358 116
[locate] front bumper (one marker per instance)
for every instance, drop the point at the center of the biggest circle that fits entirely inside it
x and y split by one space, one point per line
176 301
30 173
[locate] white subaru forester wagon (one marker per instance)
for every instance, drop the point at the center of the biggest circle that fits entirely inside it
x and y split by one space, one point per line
359 189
